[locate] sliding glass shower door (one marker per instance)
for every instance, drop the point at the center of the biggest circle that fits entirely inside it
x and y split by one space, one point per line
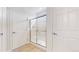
38 30
41 31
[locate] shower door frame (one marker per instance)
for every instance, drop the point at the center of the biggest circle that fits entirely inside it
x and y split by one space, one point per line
37 30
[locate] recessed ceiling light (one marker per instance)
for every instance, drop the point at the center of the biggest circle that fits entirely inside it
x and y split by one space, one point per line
40 8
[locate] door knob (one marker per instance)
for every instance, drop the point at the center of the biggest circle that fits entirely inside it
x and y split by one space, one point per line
1 33
13 32
54 33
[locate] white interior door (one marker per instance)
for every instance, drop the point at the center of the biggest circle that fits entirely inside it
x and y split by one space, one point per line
19 34
20 30
3 42
1 30
65 29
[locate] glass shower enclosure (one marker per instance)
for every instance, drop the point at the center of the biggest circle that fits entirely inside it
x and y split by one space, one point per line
38 30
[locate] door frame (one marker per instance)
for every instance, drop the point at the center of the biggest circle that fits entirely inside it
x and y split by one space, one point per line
49 29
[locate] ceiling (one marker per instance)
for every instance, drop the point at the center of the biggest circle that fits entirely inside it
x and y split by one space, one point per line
28 10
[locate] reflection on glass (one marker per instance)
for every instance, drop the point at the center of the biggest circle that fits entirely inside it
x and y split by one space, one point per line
33 30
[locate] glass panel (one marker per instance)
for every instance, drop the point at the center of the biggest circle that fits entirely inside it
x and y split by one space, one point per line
41 31
33 30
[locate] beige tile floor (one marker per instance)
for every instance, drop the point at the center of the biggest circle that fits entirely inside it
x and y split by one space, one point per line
29 48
